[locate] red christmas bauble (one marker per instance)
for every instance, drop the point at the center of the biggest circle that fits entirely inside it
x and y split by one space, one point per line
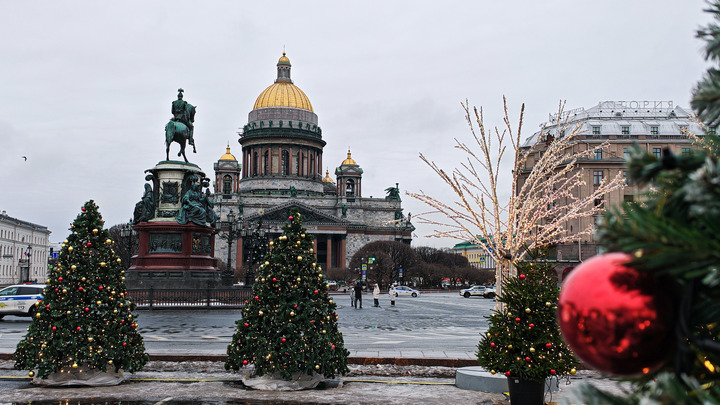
290 218
615 318
522 277
245 362
283 340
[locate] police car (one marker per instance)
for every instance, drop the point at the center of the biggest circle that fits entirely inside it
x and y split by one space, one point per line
20 299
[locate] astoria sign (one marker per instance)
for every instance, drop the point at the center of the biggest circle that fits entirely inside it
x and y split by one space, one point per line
637 105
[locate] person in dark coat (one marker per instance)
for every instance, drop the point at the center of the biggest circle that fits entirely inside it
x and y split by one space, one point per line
358 295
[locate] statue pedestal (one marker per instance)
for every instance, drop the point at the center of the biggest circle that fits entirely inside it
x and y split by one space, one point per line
173 256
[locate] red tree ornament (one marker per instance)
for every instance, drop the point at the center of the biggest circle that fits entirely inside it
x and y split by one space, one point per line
615 318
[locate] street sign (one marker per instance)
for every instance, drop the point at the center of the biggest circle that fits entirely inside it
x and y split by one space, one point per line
364 268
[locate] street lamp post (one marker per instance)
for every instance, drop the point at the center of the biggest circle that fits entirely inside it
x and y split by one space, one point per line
29 255
227 276
255 239
126 233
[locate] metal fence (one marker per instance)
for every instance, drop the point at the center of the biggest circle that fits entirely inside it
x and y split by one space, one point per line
188 298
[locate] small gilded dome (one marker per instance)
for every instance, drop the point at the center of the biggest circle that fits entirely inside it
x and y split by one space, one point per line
284 59
327 178
349 160
228 155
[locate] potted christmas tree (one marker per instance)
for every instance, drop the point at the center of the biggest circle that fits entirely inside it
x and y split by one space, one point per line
84 331
523 340
288 331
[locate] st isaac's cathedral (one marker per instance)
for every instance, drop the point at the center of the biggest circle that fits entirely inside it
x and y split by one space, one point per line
282 167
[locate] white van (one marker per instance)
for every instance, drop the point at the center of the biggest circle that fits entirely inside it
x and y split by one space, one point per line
20 299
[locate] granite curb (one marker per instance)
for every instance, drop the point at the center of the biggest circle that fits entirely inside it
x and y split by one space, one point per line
398 361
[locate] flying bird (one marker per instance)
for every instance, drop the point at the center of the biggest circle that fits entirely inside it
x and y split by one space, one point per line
24 157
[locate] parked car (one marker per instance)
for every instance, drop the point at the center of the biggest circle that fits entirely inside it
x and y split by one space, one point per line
405 290
479 291
20 299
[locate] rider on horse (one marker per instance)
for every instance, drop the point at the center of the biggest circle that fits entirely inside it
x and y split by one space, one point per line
181 113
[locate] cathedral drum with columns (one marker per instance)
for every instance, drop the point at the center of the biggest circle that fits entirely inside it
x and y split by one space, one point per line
282 161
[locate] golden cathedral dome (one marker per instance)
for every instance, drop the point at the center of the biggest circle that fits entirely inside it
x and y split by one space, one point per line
228 155
327 178
349 160
283 93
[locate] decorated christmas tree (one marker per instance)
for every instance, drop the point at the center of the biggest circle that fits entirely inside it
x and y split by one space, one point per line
523 340
289 326
85 319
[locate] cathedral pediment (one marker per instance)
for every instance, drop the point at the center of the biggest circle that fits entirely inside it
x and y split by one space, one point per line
308 214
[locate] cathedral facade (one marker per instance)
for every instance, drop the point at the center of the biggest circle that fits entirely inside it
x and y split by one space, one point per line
281 168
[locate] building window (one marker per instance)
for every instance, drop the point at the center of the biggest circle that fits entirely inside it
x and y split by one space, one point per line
350 188
628 198
654 130
227 185
686 151
285 163
255 164
297 164
598 154
596 130
597 177
625 130
626 154
598 202
628 180
266 162
657 152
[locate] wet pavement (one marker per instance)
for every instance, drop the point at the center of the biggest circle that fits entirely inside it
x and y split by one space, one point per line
431 327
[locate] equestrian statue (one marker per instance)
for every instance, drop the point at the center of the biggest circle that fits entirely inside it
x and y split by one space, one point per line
181 125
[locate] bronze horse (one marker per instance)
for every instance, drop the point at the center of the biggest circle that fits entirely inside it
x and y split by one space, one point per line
176 131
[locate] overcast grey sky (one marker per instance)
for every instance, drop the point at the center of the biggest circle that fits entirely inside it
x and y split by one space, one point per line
86 87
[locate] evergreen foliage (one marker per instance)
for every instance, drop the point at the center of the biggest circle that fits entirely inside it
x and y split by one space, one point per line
674 233
85 317
290 324
523 339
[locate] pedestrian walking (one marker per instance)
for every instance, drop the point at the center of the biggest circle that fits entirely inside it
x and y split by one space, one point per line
391 292
376 295
358 295
352 296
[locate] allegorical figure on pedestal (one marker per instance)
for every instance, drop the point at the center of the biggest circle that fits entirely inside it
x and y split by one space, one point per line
192 209
181 126
145 208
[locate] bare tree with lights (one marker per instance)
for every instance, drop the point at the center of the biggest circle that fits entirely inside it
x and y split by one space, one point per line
541 202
